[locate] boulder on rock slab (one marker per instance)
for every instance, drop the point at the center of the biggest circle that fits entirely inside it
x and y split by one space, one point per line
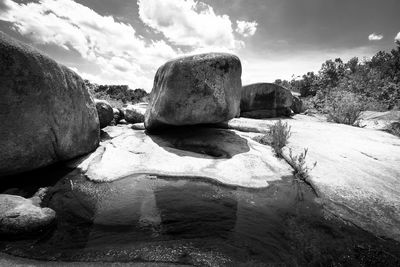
105 111
265 100
46 112
135 113
19 215
199 89
297 105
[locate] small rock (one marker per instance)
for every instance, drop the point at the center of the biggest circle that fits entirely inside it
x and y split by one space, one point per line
105 111
19 215
118 115
297 105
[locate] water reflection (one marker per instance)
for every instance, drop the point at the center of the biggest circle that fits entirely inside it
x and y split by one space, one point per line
144 218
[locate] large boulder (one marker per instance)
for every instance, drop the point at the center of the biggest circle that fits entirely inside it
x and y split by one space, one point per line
135 113
265 100
198 89
19 215
46 112
105 112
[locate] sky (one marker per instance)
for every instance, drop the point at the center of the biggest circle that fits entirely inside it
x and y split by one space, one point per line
126 41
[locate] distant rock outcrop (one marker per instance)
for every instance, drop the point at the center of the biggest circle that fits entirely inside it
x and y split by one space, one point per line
135 113
105 111
265 100
46 112
193 90
297 105
19 215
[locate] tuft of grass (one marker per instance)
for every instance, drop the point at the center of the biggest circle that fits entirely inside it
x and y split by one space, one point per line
298 163
279 135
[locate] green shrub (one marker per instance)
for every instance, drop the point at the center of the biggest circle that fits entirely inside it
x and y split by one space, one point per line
344 107
279 134
298 163
277 137
394 128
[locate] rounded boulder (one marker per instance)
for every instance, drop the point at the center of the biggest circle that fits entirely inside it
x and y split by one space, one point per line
199 89
46 112
135 113
19 215
265 100
105 112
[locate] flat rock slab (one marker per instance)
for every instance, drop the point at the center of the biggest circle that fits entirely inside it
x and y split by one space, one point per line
218 154
357 172
19 215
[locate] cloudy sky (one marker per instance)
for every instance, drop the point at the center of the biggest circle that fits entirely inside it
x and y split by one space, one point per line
125 41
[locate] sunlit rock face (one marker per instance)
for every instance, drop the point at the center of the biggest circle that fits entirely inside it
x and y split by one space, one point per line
265 100
219 155
46 112
198 89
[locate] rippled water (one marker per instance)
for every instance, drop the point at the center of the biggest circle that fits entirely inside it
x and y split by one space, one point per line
187 221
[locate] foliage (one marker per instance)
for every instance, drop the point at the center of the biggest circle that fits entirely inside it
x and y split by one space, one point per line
298 163
279 134
117 95
376 81
277 137
344 107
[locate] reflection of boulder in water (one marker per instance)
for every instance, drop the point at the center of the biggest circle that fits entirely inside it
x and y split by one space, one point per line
196 210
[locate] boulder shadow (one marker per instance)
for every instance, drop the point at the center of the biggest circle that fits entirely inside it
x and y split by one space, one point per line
201 141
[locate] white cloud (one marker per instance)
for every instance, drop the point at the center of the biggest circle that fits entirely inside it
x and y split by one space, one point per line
246 28
375 37
397 38
122 56
189 23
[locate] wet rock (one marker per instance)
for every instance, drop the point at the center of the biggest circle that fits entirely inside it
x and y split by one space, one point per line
135 113
19 215
200 89
46 112
265 100
105 111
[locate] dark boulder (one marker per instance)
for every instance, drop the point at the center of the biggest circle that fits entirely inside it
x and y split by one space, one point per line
198 89
265 100
46 112
105 111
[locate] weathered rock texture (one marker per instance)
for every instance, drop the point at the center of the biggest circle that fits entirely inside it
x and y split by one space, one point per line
265 100
357 174
217 154
105 112
46 112
19 215
135 113
192 90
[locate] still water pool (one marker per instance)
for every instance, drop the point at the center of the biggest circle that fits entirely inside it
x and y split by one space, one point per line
146 218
